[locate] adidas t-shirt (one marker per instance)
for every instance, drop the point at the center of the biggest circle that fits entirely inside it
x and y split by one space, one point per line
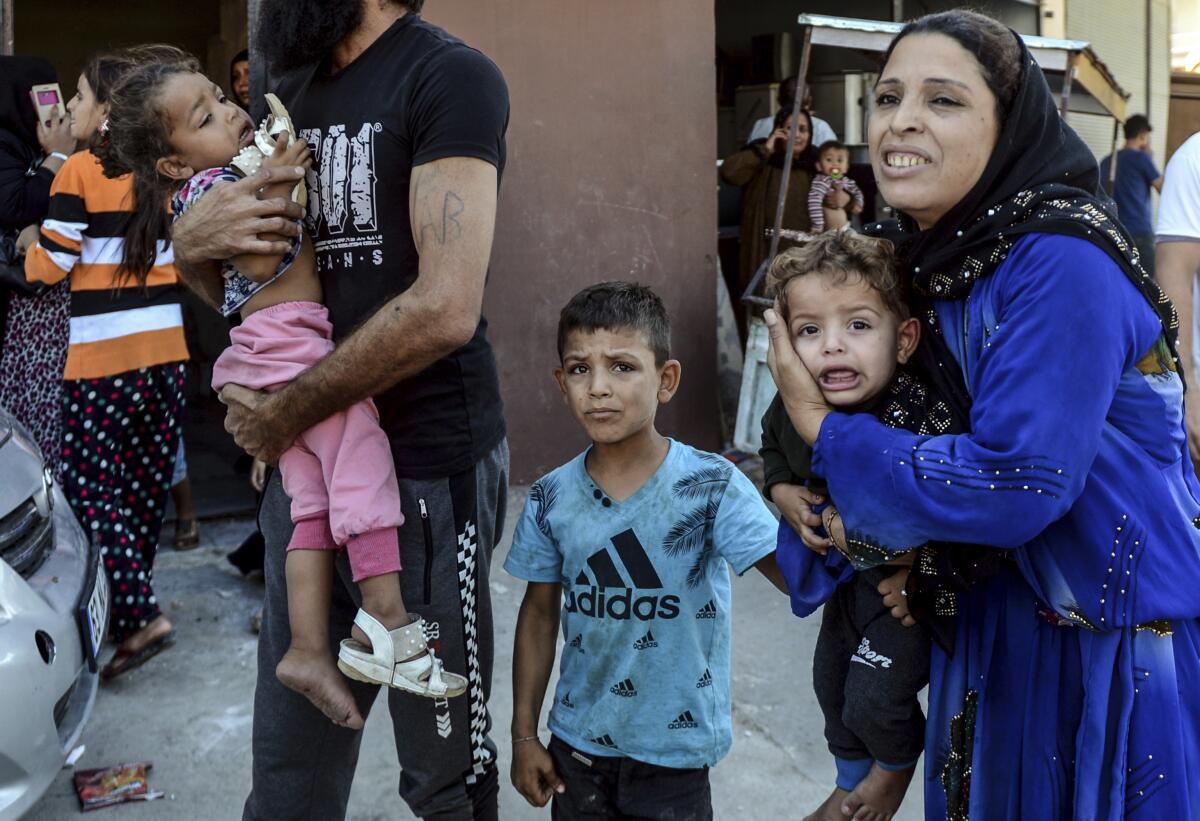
646 601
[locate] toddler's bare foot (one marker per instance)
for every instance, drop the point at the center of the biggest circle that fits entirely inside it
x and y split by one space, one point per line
878 796
830 810
315 676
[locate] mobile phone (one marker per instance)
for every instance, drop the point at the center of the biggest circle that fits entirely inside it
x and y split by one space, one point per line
46 98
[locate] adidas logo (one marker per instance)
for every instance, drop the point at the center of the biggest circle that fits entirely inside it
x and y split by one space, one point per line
645 642
624 689
705 681
604 740
708 611
606 594
566 701
684 722
577 643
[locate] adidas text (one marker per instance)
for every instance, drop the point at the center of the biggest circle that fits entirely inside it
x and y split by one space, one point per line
597 603
684 722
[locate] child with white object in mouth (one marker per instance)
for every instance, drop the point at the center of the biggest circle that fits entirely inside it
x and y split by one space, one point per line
177 133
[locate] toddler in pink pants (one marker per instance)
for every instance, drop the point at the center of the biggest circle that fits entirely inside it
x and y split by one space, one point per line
339 473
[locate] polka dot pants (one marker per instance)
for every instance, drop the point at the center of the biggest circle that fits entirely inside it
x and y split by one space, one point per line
119 440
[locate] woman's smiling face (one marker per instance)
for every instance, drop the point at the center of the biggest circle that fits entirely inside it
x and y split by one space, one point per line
933 128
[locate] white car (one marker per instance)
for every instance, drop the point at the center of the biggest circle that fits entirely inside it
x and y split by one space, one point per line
53 617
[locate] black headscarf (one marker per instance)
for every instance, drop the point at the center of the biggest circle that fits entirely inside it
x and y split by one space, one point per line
17 114
1041 178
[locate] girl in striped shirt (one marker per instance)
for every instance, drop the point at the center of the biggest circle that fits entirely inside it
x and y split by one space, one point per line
123 379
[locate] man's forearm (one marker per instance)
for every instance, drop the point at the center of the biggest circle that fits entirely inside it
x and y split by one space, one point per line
1175 269
400 340
452 205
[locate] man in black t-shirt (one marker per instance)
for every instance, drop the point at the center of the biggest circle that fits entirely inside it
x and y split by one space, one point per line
406 124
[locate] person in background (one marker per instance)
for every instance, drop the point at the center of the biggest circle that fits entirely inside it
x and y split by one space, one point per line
1136 175
239 79
441 140
123 379
833 161
33 338
1042 331
187 526
758 171
786 98
1177 260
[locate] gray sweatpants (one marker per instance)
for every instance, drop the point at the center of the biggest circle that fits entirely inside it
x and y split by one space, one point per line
303 762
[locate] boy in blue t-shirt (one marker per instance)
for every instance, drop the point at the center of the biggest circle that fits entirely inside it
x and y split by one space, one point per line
626 547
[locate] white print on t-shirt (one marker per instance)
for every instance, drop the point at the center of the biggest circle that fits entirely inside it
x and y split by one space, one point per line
341 198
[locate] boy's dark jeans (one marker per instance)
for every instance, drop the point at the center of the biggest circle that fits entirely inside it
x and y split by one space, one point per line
867 671
615 788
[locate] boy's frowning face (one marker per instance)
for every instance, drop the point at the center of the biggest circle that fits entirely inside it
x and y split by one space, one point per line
612 384
847 337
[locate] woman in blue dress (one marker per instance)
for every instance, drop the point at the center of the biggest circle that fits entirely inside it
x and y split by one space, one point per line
1074 687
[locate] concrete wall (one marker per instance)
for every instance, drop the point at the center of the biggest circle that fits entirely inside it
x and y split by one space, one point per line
610 176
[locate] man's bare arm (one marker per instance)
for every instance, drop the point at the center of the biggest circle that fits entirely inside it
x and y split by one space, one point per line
1175 267
227 222
452 205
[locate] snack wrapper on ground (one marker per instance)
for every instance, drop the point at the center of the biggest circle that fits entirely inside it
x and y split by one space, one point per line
114 785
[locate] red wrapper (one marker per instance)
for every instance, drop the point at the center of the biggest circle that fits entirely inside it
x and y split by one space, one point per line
114 785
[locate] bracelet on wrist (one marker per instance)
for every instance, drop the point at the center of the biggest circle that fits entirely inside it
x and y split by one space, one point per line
58 155
522 740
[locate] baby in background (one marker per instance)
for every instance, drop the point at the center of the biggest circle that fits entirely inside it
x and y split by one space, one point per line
833 163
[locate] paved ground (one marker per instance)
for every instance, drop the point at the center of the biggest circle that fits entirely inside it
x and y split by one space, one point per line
189 711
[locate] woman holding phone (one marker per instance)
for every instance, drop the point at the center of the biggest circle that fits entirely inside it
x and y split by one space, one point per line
33 330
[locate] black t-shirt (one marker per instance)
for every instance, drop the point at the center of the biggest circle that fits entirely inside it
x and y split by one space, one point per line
416 95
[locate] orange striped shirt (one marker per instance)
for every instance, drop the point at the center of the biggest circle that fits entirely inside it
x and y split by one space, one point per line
113 329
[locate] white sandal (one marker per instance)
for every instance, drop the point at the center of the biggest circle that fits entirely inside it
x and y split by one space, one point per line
389 660
250 158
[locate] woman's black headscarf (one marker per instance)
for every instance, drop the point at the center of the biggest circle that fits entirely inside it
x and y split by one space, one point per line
17 114
1041 178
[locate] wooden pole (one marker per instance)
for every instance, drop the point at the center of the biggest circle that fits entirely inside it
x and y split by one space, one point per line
801 90
7 30
1068 78
258 66
1112 162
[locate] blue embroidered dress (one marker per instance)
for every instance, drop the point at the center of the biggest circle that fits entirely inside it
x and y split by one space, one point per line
1074 689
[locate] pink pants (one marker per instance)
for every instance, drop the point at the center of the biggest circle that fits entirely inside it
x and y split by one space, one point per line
339 474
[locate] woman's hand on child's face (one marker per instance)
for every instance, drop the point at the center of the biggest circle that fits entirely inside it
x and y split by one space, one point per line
801 396
795 503
895 596
533 773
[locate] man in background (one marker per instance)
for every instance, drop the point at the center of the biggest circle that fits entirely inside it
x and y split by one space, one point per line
1178 262
821 130
1136 175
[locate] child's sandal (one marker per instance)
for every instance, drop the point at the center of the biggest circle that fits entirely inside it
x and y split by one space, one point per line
390 660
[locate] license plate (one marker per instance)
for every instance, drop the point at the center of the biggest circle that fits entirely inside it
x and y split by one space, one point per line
96 614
